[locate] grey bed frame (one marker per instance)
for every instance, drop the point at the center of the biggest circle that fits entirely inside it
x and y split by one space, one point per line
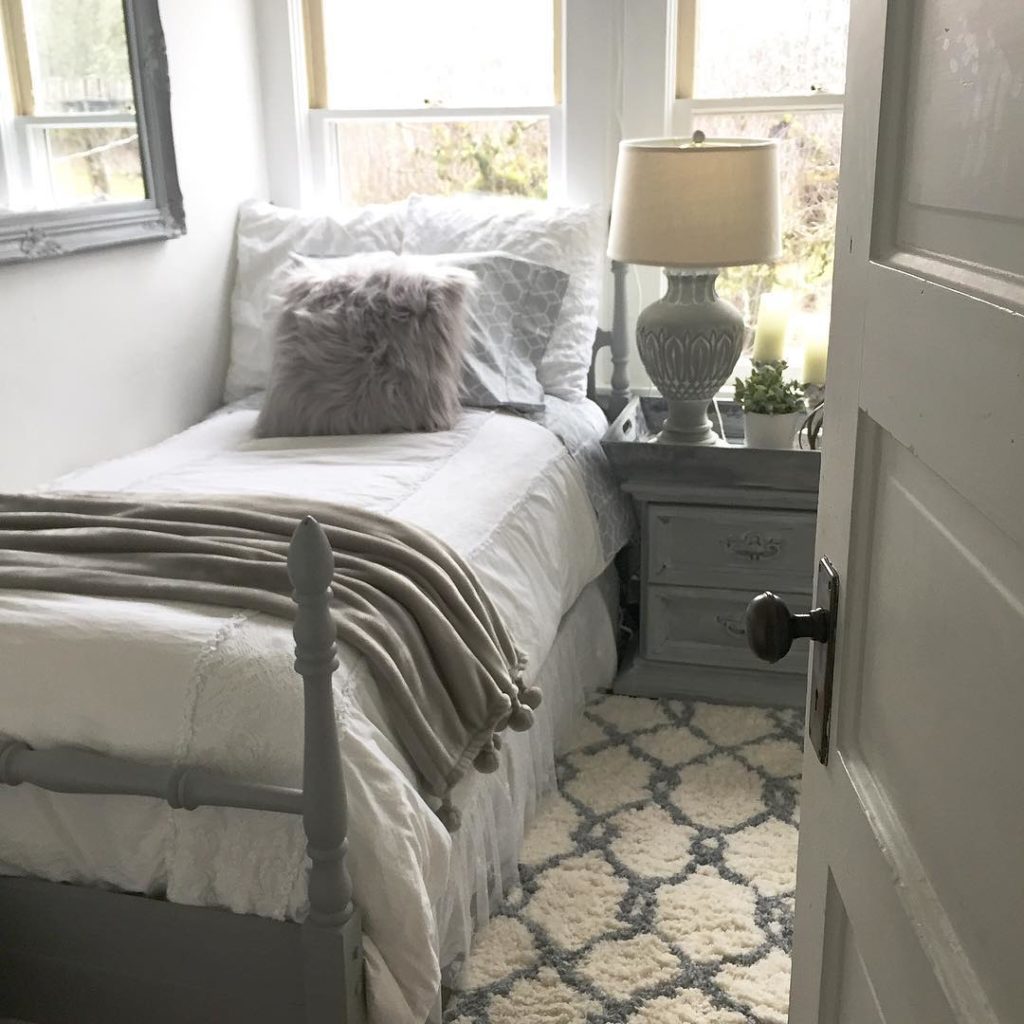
78 954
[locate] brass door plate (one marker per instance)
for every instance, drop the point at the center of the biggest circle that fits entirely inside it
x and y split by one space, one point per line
826 595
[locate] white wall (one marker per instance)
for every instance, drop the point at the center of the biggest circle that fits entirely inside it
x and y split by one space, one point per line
106 352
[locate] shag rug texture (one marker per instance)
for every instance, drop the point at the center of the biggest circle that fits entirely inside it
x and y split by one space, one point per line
657 883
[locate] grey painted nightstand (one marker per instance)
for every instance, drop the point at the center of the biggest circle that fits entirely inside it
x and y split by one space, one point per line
717 526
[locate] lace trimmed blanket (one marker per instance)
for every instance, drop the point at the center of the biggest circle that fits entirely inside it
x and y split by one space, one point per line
450 673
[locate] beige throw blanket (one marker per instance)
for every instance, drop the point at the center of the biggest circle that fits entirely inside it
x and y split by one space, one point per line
449 673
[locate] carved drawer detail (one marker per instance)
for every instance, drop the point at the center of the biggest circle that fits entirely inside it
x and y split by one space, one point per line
753 545
702 626
744 548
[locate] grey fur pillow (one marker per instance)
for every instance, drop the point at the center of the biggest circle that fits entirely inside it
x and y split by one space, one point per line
371 347
511 317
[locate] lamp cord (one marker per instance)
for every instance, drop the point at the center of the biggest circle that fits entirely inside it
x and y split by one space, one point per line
718 413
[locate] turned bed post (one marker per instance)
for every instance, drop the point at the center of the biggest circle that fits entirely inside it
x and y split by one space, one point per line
332 946
617 342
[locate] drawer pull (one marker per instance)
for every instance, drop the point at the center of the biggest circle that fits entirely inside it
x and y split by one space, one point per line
754 546
733 626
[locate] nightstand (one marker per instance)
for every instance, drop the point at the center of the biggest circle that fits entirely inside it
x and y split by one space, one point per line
717 526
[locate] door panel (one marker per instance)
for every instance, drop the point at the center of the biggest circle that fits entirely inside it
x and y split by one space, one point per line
910 893
943 580
951 151
964 97
916 977
853 999
947 390
965 77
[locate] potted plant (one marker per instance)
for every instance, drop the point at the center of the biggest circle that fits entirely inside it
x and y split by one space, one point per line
773 408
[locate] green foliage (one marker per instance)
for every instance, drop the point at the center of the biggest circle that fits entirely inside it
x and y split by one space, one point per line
511 160
82 38
810 190
765 391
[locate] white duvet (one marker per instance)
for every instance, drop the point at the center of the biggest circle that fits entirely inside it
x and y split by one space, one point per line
216 687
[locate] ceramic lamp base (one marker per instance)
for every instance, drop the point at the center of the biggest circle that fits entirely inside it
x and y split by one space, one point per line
689 342
688 423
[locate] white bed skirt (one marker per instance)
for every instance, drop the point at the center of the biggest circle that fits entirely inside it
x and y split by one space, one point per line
496 809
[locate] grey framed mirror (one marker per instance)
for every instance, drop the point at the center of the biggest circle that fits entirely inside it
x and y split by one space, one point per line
86 147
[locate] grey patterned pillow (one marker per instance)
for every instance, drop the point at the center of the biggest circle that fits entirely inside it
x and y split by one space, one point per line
371 346
512 316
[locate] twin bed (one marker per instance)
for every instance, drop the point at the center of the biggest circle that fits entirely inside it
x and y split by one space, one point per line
179 838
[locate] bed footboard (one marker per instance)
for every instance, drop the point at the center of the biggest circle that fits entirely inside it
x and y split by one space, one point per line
81 954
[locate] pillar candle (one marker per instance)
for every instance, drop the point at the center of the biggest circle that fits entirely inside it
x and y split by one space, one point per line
772 321
814 334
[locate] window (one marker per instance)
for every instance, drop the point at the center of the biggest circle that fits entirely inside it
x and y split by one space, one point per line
453 96
67 124
749 68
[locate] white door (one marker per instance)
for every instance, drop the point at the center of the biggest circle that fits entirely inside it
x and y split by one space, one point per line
910 888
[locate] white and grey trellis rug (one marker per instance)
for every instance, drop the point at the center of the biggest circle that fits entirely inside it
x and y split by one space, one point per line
657 884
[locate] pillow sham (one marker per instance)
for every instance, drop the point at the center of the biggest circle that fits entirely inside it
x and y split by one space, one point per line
371 347
266 237
568 238
512 314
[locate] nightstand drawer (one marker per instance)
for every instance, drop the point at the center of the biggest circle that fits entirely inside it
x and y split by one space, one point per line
710 546
706 627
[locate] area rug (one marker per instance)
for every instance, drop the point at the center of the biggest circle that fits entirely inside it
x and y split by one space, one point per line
657 884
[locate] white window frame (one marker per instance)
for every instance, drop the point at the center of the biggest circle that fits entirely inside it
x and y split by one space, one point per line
685 106
326 159
583 133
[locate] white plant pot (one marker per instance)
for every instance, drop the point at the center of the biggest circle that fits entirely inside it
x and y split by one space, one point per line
764 431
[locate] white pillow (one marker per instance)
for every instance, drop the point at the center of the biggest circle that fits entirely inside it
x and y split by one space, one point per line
267 236
568 238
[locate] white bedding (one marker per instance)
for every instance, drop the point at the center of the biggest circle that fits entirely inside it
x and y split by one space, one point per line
216 687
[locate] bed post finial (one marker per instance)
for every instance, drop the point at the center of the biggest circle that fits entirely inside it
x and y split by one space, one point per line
332 934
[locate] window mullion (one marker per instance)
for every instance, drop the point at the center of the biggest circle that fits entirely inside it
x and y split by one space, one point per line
557 177
25 161
90 120
323 155
10 185
19 64
761 104
559 54
682 118
316 53
686 47
435 113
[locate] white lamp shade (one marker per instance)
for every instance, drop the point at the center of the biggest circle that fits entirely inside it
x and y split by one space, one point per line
681 203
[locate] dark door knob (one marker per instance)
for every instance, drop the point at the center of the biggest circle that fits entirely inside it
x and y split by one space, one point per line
772 627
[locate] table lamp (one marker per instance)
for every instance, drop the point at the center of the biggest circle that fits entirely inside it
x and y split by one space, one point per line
693 206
